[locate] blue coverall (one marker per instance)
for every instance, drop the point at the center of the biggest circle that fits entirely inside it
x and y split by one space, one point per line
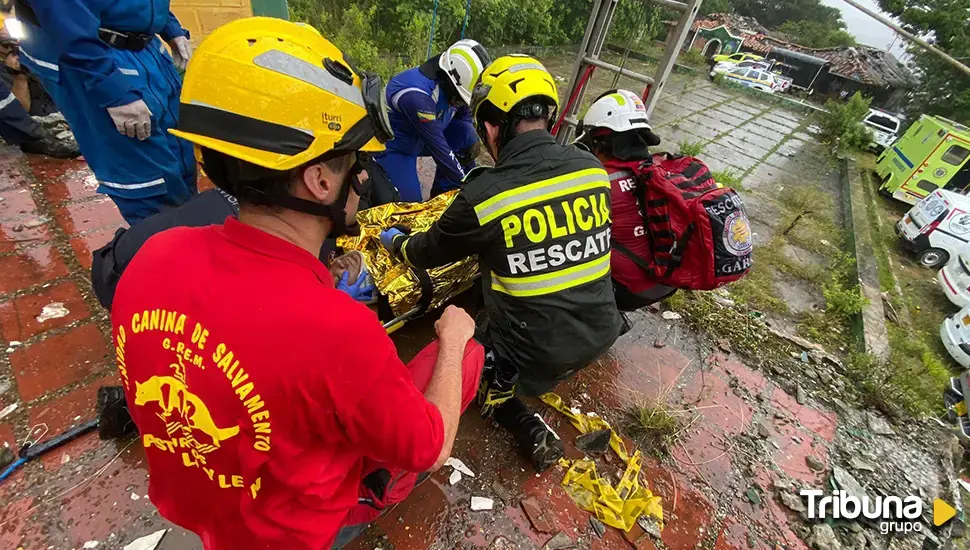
425 124
85 75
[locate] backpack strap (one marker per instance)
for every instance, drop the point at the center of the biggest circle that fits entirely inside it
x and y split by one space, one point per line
680 244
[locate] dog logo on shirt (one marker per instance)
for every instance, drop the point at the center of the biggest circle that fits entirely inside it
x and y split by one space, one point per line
182 410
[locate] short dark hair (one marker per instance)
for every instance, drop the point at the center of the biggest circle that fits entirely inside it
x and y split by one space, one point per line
255 185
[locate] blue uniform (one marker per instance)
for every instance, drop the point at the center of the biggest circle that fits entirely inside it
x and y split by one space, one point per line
425 124
85 75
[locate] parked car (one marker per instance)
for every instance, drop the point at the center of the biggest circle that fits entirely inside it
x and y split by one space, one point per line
954 279
955 333
737 57
933 154
885 129
752 78
937 228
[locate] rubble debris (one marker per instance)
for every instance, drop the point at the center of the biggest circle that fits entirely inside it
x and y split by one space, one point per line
800 395
792 501
560 541
857 463
597 526
879 425
481 503
148 542
649 526
659 343
753 495
458 465
764 430
804 358
454 478
814 463
725 345
823 538
502 493
594 443
90 544
672 316
847 483
8 409
54 310
500 543
533 511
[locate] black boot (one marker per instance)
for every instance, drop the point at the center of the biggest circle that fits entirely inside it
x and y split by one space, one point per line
114 420
537 441
52 147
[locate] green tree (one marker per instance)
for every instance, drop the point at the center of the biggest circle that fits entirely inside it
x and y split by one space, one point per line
715 6
774 13
815 34
943 90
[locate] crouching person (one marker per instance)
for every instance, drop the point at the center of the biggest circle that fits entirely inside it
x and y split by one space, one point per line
273 408
617 131
539 223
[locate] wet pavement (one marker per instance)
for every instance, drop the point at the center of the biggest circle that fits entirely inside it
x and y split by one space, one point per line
54 354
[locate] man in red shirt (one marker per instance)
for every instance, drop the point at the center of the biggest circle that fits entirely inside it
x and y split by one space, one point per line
616 130
273 408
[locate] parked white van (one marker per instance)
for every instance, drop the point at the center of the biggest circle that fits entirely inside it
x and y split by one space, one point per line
954 278
937 228
955 333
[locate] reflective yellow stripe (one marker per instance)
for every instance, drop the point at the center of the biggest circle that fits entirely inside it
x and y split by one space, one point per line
471 63
541 191
547 283
404 252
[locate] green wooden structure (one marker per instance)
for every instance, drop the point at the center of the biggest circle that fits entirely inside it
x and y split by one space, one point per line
271 8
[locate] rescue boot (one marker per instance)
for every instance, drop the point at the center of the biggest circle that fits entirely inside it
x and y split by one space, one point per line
52 147
497 384
536 440
114 420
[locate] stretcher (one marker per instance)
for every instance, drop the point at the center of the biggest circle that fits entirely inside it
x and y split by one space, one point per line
406 293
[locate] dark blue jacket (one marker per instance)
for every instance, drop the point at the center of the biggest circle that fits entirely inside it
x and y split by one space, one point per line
420 115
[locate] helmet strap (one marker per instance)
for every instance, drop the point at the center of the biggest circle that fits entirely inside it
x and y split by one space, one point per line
336 212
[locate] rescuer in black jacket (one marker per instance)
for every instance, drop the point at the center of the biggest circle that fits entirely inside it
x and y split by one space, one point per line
539 222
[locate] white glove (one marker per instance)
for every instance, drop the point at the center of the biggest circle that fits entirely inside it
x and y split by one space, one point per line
133 119
181 51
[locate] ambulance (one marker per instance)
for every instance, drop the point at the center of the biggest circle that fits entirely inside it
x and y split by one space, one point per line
954 279
933 154
955 333
937 228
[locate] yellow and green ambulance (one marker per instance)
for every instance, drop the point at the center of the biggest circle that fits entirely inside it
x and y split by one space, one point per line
933 154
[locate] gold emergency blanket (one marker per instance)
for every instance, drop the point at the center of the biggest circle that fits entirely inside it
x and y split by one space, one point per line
393 278
617 507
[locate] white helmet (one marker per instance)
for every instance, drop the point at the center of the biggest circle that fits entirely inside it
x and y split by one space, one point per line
463 62
620 111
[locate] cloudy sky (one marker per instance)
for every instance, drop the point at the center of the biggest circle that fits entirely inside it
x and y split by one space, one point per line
866 29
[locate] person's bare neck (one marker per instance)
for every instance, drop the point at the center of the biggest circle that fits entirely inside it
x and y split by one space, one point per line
304 230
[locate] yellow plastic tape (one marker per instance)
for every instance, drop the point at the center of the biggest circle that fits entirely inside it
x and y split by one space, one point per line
619 507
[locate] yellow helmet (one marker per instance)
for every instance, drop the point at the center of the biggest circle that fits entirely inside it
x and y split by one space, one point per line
277 94
509 81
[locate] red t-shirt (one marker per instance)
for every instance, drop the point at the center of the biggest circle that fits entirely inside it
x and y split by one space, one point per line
628 230
258 389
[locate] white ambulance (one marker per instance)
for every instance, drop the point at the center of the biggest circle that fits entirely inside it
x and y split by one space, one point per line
937 228
955 333
954 278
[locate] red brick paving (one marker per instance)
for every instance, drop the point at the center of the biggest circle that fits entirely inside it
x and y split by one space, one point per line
34 266
50 370
85 216
18 317
62 359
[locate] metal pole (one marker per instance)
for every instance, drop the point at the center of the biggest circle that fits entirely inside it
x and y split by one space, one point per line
434 15
910 36
464 24
675 41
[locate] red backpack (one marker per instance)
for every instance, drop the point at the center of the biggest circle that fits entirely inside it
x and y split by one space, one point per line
697 230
